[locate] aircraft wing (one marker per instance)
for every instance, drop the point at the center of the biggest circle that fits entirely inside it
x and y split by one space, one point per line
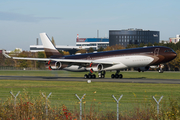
75 61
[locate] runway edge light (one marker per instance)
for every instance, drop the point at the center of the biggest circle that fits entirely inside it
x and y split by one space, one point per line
88 81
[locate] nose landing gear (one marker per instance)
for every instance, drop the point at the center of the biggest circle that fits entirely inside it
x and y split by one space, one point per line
161 68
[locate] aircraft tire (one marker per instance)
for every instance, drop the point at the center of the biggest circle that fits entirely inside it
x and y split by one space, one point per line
89 76
120 76
112 76
93 76
85 76
102 76
116 76
160 71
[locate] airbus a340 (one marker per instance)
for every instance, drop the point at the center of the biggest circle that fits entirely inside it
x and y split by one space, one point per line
140 58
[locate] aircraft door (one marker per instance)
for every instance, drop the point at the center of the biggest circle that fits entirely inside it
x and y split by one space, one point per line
156 52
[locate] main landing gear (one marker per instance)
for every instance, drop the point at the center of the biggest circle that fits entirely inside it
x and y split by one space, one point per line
117 75
101 74
90 75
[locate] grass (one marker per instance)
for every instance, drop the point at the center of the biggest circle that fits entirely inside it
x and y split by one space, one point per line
64 92
98 94
129 74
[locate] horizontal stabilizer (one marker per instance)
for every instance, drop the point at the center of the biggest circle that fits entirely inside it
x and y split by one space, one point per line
5 55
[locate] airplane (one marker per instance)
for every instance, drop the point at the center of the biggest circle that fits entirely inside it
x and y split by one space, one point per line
116 60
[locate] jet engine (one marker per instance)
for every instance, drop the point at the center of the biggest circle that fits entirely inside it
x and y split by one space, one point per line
55 65
139 69
95 67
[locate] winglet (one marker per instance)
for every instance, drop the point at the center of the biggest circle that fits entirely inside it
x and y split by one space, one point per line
49 48
6 55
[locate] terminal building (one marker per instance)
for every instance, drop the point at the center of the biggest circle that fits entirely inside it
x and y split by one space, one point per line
95 43
175 40
132 36
40 48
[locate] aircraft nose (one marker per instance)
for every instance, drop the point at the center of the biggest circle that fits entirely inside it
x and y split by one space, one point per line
174 54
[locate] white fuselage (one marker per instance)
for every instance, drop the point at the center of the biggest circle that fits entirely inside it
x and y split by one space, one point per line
122 62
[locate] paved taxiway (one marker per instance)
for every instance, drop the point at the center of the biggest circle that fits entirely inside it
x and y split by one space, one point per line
124 80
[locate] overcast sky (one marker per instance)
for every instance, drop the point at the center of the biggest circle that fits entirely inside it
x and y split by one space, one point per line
21 21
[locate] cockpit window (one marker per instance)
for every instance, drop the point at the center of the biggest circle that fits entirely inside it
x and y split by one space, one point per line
168 51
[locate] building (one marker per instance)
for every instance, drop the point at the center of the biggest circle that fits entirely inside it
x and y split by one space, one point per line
175 40
132 36
70 49
95 43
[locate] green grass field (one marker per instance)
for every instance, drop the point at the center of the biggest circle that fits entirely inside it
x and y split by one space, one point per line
97 93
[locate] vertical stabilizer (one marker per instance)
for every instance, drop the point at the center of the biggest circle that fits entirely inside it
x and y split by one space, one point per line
49 48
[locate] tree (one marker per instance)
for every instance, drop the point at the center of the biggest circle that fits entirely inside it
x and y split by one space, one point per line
61 52
91 50
81 51
117 47
53 42
23 63
108 48
100 49
40 64
66 53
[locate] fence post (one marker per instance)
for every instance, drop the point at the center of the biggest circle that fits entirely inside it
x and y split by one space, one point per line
46 102
158 104
80 104
15 100
117 104
15 97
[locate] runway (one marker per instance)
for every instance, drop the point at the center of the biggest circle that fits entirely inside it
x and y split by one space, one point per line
124 80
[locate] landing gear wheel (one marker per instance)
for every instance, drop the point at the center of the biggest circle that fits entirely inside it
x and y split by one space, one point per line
85 76
102 76
93 76
112 76
120 76
89 76
116 76
160 71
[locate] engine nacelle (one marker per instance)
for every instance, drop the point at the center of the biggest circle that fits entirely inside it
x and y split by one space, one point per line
139 69
95 67
55 65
